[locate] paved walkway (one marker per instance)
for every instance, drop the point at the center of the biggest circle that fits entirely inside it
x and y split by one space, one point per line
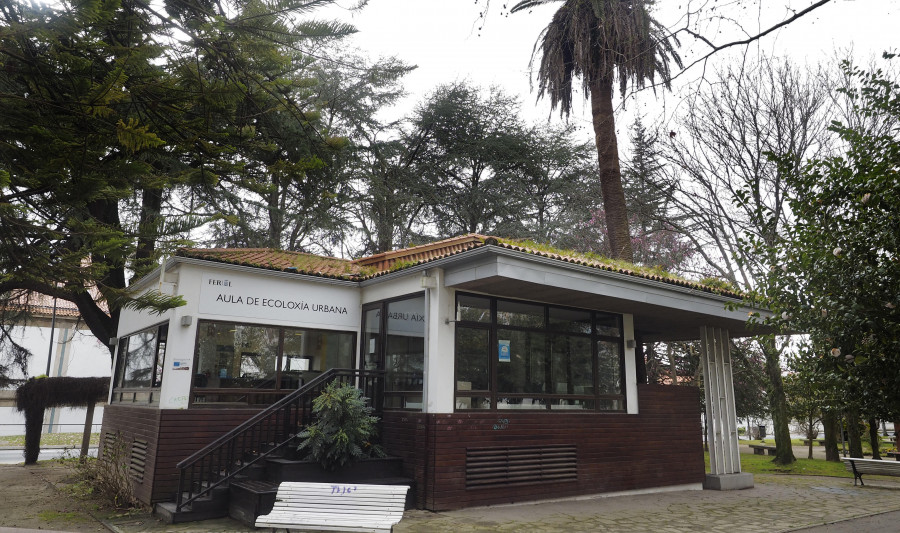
777 503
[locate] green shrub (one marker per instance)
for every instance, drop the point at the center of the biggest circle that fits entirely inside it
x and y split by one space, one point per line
344 428
107 477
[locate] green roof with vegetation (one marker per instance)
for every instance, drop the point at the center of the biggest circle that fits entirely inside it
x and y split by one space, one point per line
397 260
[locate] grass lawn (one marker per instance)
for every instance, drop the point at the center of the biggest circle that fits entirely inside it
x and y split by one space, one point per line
762 464
867 448
52 439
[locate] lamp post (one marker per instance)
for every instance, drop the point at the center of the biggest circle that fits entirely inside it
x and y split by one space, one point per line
52 330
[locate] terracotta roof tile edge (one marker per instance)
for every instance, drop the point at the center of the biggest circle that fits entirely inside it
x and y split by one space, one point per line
403 266
350 276
187 252
445 248
412 250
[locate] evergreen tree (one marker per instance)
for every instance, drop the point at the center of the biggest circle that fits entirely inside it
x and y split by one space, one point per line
111 108
838 277
476 144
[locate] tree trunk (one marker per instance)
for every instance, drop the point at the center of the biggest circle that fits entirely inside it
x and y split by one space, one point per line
673 368
854 433
640 362
831 426
784 454
810 435
874 438
603 117
148 231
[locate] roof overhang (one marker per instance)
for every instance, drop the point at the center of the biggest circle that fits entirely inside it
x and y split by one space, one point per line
172 262
662 311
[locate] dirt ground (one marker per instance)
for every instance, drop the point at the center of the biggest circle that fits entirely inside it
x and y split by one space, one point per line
40 497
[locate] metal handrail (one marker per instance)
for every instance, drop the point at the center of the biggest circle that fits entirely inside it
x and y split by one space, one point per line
263 434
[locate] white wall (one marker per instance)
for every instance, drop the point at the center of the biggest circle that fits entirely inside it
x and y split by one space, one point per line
237 294
384 290
76 353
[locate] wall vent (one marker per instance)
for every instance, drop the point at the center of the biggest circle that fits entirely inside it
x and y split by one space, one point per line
520 465
138 460
110 442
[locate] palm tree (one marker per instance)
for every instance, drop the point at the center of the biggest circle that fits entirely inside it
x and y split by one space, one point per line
599 41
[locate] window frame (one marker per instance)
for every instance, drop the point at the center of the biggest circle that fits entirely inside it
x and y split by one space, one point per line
381 347
547 399
139 394
268 394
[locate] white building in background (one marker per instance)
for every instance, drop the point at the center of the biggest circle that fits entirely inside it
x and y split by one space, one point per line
74 352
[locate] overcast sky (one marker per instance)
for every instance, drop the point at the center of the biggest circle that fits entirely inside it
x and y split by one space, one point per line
443 39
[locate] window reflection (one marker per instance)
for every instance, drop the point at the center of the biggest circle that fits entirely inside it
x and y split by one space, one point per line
238 356
526 370
258 360
141 357
536 356
405 352
472 364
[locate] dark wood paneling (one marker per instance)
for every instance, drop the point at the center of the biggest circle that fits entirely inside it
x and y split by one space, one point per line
131 423
172 435
661 446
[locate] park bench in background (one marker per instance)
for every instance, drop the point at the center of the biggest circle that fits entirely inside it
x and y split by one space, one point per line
870 466
761 449
336 507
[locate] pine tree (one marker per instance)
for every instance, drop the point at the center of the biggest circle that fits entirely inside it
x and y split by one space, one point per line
123 124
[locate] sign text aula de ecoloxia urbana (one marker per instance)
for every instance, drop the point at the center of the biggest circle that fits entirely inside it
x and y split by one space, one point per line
281 304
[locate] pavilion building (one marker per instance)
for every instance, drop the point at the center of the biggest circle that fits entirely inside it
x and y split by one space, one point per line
510 373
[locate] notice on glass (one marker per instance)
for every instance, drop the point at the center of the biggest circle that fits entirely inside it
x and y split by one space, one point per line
503 352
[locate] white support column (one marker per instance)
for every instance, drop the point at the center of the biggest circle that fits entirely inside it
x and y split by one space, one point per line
721 419
439 342
631 391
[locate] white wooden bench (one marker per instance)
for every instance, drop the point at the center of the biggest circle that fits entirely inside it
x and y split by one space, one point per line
870 466
336 507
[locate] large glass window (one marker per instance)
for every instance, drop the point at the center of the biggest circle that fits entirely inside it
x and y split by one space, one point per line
473 367
525 370
405 351
525 355
394 340
472 308
515 313
236 356
253 364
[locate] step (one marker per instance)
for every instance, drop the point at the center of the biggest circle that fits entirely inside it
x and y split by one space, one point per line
204 511
212 505
251 498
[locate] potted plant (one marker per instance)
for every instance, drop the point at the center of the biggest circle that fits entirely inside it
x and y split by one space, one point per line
343 430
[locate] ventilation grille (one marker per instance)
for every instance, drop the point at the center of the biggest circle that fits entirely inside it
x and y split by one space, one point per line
138 460
520 465
110 444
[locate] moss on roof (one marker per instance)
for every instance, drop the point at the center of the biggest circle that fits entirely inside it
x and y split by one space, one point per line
593 260
398 260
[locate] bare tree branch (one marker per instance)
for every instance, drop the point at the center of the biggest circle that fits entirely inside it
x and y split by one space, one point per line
717 48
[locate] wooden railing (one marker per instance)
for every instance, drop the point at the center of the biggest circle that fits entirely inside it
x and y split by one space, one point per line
265 433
